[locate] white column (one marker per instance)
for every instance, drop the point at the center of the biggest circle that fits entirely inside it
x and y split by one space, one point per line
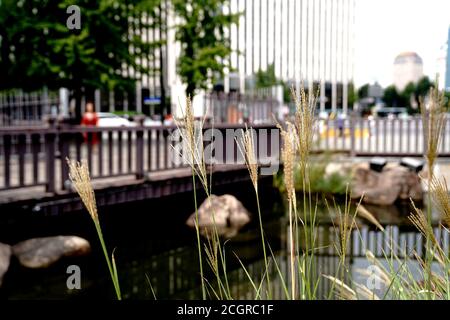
138 97
97 102
64 102
111 101
333 52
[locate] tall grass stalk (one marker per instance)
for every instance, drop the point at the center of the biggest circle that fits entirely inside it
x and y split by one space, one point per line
433 121
305 105
81 181
398 277
247 149
192 135
288 153
197 231
188 132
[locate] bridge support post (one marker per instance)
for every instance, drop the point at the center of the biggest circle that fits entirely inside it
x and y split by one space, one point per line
50 149
64 140
352 136
140 149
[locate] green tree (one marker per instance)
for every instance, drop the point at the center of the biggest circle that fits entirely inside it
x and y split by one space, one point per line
266 78
37 49
422 90
363 91
25 54
407 94
352 95
204 47
423 87
447 101
391 97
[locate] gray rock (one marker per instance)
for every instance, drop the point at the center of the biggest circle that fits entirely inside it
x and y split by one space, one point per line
227 212
385 187
43 252
5 257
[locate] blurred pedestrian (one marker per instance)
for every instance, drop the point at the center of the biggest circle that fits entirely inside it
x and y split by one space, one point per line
90 118
340 124
168 120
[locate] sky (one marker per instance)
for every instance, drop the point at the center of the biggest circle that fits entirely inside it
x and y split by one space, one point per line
385 28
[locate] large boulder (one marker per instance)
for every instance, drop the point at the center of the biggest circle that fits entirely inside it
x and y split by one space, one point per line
226 212
5 257
43 252
385 187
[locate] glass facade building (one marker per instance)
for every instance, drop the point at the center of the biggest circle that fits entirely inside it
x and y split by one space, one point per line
309 40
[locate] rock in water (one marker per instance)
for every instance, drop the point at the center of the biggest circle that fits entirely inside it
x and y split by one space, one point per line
385 187
43 252
5 257
229 215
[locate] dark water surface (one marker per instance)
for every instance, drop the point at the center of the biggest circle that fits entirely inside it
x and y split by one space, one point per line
154 246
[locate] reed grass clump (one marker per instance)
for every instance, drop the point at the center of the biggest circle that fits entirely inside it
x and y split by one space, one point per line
81 181
247 148
433 122
393 271
440 195
305 105
191 132
288 155
191 135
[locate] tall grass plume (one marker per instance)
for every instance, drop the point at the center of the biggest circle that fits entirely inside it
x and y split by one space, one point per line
81 181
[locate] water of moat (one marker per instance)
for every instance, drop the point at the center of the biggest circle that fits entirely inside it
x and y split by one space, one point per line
153 245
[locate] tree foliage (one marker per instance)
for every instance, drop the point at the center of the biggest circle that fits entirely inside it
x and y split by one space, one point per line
411 93
204 47
352 95
391 97
447 101
37 49
363 91
266 78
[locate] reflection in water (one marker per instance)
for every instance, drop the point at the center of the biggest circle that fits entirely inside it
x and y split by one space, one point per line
173 274
166 259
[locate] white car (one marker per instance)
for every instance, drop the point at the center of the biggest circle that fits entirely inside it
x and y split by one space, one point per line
149 122
107 119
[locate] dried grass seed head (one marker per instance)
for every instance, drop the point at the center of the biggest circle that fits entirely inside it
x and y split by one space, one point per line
288 154
247 149
433 119
79 175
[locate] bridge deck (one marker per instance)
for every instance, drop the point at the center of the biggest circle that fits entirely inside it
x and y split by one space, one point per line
33 168
110 191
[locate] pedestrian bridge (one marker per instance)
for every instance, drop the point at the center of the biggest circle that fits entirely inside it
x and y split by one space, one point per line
147 161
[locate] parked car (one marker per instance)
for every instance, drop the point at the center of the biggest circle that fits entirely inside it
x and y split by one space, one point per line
149 122
391 113
107 119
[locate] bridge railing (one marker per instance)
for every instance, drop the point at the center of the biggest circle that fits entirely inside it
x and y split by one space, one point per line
24 109
255 108
36 156
380 136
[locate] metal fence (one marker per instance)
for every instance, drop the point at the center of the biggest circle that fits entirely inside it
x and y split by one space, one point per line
240 108
27 108
37 156
34 156
380 136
